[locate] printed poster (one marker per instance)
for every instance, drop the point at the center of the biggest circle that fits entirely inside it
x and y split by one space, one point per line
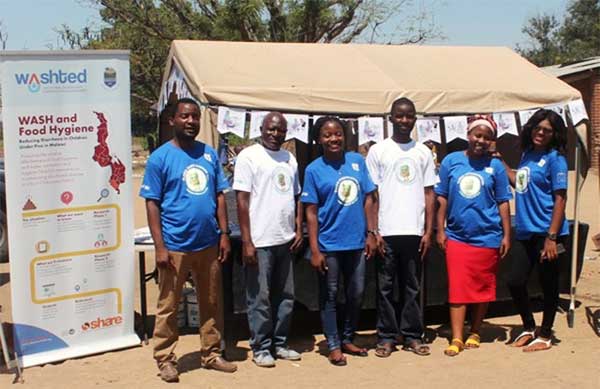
428 129
231 120
370 129
297 127
67 145
456 127
256 119
578 111
507 123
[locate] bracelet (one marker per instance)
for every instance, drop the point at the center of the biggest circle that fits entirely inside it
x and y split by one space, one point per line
226 232
373 232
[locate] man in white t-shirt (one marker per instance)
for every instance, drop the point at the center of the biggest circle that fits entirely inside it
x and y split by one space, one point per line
267 187
404 173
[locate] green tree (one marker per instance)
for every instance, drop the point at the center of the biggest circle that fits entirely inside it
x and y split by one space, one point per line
575 38
147 27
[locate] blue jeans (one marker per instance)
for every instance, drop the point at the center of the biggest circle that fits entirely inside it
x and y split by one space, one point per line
402 260
270 297
352 265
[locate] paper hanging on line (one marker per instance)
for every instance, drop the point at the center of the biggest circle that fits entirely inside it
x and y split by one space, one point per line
256 119
231 120
297 127
428 129
578 111
456 128
525 115
370 129
507 123
559 109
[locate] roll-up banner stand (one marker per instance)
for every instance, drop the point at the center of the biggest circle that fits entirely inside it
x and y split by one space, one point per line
67 149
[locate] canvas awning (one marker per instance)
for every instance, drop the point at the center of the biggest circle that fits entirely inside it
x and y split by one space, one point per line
364 79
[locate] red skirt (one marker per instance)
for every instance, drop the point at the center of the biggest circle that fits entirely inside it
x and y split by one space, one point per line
471 273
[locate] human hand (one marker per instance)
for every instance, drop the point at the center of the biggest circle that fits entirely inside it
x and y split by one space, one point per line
163 259
249 253
550 251
318 262
441 238
371 246
424 245
504 246
224 248
297 243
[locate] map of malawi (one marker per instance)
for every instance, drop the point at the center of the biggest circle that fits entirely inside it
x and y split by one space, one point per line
103 157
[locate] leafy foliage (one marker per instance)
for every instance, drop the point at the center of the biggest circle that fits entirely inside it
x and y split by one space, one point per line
147 27
576 38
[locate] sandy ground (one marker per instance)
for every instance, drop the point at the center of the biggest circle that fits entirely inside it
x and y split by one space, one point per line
573 361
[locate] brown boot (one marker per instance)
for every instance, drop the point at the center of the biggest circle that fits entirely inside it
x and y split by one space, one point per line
221 364
168 372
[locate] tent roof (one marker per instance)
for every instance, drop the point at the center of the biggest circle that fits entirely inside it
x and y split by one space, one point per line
364 79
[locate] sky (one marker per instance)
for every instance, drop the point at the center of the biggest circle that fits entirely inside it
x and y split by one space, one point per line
31 24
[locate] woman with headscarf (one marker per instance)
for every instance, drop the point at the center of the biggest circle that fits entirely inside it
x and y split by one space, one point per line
473 195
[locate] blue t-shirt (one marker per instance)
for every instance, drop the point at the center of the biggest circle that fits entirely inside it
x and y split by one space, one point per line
338 188
185 183
473 187
540 174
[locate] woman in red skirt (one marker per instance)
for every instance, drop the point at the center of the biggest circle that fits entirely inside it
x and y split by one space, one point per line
473 195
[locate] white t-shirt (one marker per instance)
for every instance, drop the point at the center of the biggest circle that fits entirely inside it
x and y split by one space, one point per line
401 171
271 178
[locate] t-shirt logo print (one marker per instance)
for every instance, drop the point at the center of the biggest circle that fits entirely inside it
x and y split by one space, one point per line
405 170
282 180
196 179
469 185
347 190
522 180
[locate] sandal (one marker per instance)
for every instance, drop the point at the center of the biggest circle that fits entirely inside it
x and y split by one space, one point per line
455 347
352 349
543 344
521 337
417 347
384 350
337 358
473 341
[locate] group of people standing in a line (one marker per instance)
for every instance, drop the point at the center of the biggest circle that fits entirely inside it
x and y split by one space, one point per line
381 209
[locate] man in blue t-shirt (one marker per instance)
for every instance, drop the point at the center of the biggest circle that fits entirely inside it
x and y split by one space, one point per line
183 187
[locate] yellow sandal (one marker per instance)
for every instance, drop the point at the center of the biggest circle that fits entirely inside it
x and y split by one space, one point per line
473 341
455 347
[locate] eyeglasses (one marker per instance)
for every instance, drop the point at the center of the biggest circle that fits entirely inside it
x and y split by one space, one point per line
546 130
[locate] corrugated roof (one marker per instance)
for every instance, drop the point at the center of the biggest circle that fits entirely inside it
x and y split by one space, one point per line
573 67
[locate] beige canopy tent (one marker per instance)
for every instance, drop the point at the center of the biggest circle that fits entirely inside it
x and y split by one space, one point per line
360 79
363 79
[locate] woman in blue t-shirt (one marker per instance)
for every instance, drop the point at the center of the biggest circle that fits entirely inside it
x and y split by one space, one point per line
473 195
541 195
339 198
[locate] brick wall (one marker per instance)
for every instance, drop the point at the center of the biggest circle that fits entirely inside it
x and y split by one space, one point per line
594 113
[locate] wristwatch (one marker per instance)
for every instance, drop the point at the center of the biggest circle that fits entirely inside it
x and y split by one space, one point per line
373 232
551 236
227 232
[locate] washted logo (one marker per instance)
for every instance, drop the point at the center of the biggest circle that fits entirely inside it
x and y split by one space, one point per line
57 79
100 323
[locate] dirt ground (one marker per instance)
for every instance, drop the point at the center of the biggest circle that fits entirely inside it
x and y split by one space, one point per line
573 361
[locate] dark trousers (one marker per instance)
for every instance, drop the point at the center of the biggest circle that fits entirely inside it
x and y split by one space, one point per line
350 264
402 260
548 275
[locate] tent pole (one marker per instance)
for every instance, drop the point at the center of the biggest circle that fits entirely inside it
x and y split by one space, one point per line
575 240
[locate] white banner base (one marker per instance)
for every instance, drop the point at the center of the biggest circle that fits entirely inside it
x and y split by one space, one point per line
121 342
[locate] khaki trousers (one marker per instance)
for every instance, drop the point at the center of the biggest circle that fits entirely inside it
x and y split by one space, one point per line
206 272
